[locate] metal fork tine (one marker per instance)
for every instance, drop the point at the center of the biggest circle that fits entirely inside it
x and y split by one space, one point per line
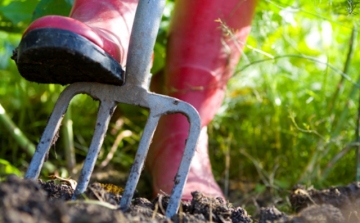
139 161
47 138
104 115
182 174
161 105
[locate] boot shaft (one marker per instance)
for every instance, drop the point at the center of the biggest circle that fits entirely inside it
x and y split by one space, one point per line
205 43
209 34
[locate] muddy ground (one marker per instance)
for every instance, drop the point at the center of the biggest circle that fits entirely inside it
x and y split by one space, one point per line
39 201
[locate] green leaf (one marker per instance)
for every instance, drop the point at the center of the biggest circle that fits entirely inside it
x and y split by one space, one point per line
5 2
260 188
19 11
159 58
52 7
6 168
70 2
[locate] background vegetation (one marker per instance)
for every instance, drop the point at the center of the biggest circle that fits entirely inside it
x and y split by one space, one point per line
291 114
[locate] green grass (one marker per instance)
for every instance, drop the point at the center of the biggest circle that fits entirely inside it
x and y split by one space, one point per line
292 107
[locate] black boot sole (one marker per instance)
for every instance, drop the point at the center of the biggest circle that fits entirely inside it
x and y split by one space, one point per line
50 55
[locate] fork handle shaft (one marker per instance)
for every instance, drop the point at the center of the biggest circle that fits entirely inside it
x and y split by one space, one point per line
142 41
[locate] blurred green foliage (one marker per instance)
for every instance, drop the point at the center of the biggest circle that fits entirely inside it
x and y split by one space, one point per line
294 99
290 115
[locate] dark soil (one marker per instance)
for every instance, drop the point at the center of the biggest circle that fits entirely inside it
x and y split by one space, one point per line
37 201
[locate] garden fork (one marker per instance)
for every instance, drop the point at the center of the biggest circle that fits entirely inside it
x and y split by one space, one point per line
135 92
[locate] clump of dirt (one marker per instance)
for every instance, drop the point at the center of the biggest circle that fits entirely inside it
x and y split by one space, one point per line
313 214
346 199
26 201
271 214
339 197
37 201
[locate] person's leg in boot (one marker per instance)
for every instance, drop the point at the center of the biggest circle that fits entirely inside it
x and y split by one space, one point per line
201 58
89 45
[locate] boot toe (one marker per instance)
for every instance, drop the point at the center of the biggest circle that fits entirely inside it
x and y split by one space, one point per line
51 55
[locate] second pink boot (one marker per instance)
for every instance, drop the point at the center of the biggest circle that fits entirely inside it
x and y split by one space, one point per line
205 43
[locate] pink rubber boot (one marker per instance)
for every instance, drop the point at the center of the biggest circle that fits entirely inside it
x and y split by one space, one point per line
202 55
90 45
